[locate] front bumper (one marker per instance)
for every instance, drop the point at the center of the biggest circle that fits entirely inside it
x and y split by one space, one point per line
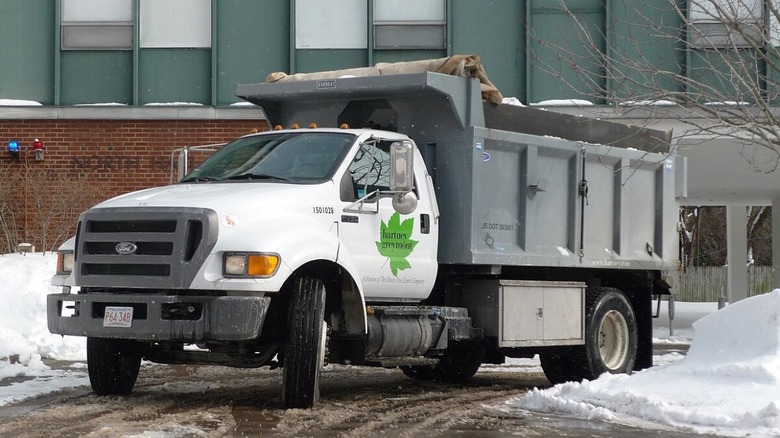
159 317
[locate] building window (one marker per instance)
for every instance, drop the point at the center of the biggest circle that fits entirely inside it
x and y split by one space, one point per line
335 24
410 24
175 23
97 25
715 24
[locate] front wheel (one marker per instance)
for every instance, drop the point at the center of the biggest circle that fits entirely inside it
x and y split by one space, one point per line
113 365
304 352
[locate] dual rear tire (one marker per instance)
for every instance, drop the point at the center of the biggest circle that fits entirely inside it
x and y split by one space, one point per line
459 363
610 341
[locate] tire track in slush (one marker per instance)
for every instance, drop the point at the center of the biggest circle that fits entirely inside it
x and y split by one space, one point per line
187 401
403 407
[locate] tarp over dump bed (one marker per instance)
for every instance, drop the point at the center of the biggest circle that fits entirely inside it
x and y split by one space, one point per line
465 66
514 118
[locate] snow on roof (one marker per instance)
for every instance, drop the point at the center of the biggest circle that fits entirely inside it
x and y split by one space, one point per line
173 104
19 102
563 102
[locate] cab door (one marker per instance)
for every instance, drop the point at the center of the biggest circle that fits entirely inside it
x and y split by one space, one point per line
395 254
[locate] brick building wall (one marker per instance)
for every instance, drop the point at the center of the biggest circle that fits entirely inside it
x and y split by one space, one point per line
85 161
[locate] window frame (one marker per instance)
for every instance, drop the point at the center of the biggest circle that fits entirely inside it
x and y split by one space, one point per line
72 29
708 29
396 27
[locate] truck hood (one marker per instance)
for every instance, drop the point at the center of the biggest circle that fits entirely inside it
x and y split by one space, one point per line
222 197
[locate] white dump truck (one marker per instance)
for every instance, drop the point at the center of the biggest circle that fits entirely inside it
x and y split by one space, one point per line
411 224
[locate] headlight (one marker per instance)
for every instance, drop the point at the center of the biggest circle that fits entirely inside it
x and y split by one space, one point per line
250 264
65 261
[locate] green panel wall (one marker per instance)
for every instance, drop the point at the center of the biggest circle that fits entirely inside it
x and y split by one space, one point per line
494 30
96 77
27 50
307 61
564 50
252 40
174 75
719 76
647 49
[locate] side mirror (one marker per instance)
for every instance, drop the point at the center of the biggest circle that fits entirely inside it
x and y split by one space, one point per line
402 176
402 166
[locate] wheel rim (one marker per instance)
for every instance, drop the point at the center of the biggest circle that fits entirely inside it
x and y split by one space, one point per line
322 354
613 340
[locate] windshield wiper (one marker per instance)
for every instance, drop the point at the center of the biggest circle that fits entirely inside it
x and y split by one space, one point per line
257 176
200 179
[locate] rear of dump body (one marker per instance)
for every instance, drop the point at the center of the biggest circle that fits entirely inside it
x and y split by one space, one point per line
591 194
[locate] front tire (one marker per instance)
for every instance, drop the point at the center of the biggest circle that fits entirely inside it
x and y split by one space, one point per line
113 365
304 352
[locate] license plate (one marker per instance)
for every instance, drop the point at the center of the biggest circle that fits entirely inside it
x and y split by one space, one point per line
118 317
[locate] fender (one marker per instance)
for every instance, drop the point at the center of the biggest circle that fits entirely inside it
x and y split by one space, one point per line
297 245
353 298
308 245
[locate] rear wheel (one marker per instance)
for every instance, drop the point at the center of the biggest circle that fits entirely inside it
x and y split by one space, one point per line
419 372
113 365
460 362
610 340
555 367
304 353
610 336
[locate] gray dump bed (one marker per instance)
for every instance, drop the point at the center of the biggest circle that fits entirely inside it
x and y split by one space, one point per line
515 185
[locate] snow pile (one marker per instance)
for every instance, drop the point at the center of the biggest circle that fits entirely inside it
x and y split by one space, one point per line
728 384
24 334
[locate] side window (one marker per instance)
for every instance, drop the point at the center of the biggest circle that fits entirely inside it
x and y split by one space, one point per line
370 169
369 172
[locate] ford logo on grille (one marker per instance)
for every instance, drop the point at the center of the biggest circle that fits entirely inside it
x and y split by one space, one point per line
126 248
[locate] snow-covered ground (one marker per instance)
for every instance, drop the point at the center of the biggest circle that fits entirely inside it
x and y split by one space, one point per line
727 384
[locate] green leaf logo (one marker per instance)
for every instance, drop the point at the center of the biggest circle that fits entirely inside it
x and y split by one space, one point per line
395 242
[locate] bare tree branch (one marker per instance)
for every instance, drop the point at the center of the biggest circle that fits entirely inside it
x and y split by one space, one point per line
721 75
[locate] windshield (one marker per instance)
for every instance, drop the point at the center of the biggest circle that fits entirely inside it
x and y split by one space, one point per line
291 156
